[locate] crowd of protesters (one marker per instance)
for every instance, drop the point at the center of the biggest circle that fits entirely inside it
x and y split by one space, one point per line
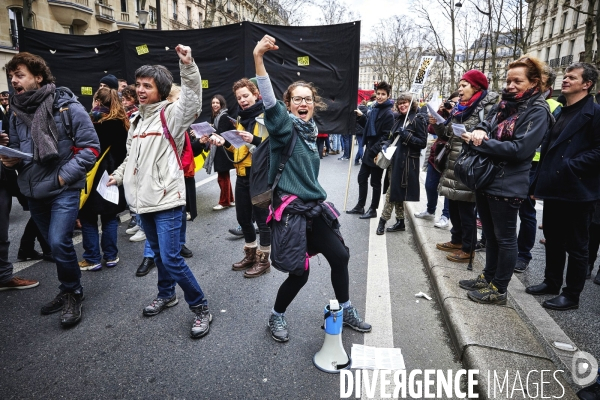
534 146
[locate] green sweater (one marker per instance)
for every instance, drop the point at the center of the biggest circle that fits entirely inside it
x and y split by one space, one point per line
301 173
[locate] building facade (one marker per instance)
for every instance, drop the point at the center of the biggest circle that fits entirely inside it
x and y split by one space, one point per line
92 17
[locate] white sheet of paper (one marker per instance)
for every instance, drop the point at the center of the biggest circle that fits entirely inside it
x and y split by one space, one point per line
202 129
233 138
433 112
109 193
458 129
8 152
389 152
369 357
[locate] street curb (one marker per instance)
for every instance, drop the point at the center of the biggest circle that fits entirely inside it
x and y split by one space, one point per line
480 343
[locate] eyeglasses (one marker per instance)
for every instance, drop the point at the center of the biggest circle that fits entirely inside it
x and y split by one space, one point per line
297 100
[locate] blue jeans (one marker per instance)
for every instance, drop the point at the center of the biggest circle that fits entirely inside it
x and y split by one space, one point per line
346 140
148 250
335 141
527 229
55 217
499 223
432 181
108 242
359 153
163 232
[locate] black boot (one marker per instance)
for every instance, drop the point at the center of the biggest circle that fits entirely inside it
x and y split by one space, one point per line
356 210
145 267
71 311
381 227
398 226
371 213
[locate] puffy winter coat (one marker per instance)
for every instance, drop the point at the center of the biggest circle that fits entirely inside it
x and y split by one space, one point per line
449 186
78 148
150 173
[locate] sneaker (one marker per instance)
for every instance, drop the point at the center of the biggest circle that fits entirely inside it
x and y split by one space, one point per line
590 393
442 222
158 305
139 236
219 207
53 306
425 215
237 231
232 204
71 310
343 158
488 295
133 229
132 223
185 252
112 263
202 322
521 266
18 284
188 216
278 327
85 265
473 284
354 321
479 246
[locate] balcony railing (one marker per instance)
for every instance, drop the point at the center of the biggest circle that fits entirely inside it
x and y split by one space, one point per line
125 17
105 13
554 62
566 60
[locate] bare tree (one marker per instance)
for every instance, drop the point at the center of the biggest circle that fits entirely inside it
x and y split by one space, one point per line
592 29
335 12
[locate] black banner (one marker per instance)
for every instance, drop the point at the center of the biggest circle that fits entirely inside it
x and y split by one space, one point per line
328 56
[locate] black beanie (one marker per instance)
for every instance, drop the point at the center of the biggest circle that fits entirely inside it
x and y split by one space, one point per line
111 81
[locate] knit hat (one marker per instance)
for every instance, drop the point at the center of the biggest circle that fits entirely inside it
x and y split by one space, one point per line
111 81
476 78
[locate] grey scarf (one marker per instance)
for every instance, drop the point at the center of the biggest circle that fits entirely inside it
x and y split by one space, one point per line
34 108
210 160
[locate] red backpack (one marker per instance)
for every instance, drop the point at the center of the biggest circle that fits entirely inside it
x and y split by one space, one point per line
186 159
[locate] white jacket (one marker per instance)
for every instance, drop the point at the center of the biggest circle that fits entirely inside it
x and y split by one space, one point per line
150 173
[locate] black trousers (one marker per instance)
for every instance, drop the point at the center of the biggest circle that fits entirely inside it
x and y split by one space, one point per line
566 229
376 174
462 216
31 233
320 239
594 244
245 212
6 267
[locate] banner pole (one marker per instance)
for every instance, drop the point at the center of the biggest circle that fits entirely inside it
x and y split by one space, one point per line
412 98
349 170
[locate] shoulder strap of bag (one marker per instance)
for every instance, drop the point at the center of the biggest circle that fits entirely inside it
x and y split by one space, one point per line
287 153
168 136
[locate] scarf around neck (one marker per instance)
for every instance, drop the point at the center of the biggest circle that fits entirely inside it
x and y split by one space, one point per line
248 116
34 108
307 130
370 129
463 110
98 113
509 112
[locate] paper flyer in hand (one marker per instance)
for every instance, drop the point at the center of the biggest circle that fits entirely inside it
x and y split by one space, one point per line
233 138
433 105
8 152
458 129
109 193
202 129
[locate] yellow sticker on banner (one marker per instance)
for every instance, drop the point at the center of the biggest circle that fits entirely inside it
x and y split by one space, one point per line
143 49
86 90
204 84
303 61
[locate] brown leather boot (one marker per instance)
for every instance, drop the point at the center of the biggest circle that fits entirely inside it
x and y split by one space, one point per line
247 261
260 267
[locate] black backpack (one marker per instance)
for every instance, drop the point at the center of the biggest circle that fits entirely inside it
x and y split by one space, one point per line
260 190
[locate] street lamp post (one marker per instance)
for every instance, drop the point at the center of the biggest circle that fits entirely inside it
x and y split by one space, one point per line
143 18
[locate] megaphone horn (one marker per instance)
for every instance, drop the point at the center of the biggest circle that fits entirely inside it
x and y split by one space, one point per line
332 357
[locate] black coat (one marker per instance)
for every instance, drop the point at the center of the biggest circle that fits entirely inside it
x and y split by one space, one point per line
570 169
404 183
383 125
110 133
222 161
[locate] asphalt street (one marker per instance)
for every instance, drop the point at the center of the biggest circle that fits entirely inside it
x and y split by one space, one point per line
115 352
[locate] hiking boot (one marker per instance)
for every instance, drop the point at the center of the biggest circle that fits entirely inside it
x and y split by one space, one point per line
261 265
449 246
459 257
112 263
488 295
17 283
202 321
356 210
354 321
237 231
32 254
158 305
85 265
145 267
425 215
381 227
398 226
247 261
54 306
278 327
521 266
185 252
473 284
71 310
